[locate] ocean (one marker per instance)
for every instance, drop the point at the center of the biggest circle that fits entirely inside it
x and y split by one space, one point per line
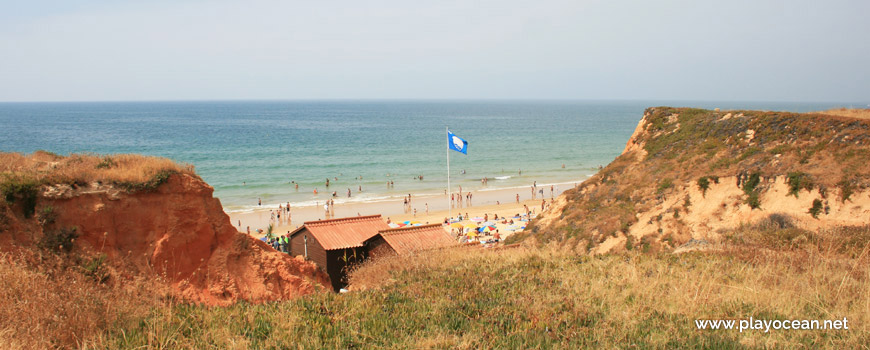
250 150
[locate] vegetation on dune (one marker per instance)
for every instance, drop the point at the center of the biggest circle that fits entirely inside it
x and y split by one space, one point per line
130 171
21 176
509 298
685 147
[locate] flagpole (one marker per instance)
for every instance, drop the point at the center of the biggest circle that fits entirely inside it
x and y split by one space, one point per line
449 209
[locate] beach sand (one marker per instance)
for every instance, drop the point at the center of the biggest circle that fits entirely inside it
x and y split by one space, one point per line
499 201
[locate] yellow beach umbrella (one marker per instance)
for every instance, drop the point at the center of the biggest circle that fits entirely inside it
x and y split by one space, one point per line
472 234
471 226
456 225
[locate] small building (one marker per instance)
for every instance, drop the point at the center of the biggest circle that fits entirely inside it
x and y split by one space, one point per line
408 240
335 244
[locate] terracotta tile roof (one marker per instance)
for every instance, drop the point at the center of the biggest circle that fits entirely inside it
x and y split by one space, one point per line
345 232
410 239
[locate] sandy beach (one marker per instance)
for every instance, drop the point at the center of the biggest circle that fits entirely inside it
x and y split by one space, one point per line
502 202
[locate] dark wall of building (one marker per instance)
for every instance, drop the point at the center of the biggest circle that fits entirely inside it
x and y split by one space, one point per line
316 253
338 263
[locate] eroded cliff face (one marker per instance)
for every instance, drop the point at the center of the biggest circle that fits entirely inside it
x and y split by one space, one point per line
693 174
179 234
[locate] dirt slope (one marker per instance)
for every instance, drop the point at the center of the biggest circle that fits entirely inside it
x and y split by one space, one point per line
177 232
693 174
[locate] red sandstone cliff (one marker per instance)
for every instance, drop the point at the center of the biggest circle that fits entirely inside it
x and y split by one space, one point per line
178 233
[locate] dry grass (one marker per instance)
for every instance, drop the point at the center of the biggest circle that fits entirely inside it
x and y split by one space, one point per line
49 303
49 168
860 113
484 299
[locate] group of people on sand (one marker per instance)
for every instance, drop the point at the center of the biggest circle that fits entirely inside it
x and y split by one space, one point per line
280 243
281 215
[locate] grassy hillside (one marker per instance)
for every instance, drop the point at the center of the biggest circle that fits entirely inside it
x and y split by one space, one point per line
683 147
512 298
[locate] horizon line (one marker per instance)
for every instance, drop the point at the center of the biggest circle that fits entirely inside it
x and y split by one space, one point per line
861 104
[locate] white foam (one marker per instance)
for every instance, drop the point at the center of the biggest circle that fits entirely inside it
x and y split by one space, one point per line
502 177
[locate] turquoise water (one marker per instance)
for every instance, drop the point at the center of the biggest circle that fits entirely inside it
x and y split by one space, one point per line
251 150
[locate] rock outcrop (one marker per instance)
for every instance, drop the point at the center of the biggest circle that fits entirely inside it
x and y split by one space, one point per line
691 174
177 233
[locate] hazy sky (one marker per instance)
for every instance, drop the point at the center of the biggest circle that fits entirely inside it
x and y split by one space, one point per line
61 50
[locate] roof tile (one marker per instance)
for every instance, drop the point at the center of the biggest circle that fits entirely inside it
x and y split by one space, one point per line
410 239
343 233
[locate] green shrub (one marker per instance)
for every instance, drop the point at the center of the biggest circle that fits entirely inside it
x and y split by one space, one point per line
60 240
816 208
847 188
47 216
753 200
752 182
158 179
798 181
23 191
96 269
704 184
629 242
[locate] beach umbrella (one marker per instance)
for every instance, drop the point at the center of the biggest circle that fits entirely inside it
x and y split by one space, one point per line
417 224
471 226
488 229
456 225
489 223
472 234
513 227
407 222
401 225
414 222
263 239
394 225
477 219
480 229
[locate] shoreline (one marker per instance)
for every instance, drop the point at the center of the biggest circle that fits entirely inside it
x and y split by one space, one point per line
493 201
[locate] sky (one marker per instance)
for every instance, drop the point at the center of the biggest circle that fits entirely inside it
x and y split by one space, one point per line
100 50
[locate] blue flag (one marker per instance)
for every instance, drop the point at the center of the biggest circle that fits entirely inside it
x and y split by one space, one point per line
457 144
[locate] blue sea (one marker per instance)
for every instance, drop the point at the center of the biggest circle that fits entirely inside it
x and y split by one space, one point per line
255 149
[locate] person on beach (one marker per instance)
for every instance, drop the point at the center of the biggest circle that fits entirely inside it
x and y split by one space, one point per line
327 182
249 230
348 193
297 186
415 212
543 203
451 199
551 191
240 223
388 220
315 191
259 201
518 198
360 188
326 209
427 208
